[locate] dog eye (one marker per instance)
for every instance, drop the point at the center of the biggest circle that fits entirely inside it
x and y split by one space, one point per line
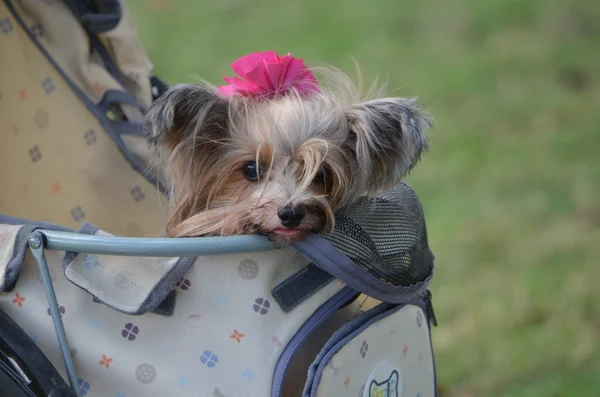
252 171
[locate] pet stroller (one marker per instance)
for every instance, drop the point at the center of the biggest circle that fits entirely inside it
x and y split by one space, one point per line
84 312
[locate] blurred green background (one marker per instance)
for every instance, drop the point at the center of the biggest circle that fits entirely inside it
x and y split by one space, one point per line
511 185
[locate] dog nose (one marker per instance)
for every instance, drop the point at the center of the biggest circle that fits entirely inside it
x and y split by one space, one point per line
291 217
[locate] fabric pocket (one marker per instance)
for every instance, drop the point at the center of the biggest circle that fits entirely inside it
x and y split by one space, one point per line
384 352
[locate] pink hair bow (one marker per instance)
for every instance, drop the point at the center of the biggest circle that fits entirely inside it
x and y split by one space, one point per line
266 74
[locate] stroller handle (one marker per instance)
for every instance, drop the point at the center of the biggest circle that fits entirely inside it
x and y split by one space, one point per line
153 247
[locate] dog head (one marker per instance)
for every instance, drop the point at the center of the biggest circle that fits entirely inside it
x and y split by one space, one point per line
280 165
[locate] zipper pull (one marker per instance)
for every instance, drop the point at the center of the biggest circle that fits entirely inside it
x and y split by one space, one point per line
429 307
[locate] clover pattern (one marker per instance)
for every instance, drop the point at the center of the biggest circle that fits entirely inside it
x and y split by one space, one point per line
130 331
249 374
77 213
6 26
47 85
184 284
35 154
137 193
90 137
364 348
209 359
84 386
261 306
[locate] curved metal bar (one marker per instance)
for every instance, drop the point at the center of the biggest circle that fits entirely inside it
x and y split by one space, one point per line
153 247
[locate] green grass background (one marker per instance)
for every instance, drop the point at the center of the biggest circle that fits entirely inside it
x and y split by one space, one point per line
511 185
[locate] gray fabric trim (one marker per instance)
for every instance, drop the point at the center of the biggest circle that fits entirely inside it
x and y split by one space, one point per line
11 220
112 97
15 263
100 116
160 291
328 258
165 308
108 18
115 97
165 285
133 128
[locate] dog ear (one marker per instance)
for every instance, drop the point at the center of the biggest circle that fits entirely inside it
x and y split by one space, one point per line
387 137
186 111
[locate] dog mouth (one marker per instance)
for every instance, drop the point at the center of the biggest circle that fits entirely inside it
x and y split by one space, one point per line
288 232
283 231
314 222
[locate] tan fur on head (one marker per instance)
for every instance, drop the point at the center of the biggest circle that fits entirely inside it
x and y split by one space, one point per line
318 153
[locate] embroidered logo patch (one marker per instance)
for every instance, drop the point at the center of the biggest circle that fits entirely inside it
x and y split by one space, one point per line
384 381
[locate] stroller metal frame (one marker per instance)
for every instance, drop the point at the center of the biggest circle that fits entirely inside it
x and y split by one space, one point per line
42 240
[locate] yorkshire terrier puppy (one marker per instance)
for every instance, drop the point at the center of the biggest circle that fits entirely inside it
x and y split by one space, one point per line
276 152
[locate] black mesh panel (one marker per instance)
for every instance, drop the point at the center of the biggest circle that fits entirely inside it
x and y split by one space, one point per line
386 236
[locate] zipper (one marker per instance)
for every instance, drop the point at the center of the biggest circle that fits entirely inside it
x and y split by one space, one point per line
304 332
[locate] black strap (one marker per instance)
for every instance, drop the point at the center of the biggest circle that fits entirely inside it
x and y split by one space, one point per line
300 286
165 308
96 16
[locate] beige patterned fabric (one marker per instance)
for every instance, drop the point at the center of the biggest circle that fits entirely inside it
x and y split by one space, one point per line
57 162
224 337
